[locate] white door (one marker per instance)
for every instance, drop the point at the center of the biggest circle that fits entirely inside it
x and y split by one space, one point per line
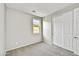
67 30
58 31
76 31
62 33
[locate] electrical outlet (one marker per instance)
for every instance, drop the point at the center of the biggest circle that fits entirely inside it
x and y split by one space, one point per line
16 43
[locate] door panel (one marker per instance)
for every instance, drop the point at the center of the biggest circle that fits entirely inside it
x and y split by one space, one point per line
67 30
76 31
63 30
58 32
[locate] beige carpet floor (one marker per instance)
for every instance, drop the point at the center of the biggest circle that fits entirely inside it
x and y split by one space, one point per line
40 49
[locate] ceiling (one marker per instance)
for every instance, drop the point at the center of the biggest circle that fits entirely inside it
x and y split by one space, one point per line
38 9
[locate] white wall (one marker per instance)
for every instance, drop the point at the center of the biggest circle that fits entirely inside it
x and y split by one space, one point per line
2 45
47 29
19 30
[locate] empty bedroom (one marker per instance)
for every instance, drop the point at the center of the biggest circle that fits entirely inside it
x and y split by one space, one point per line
39 29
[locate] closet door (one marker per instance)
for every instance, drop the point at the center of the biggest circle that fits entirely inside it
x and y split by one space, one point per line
76 31
62 35
67 30
58 31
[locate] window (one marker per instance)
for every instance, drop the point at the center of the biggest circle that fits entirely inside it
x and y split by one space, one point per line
36 26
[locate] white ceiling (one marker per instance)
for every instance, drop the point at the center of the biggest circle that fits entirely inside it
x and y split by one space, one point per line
42 9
